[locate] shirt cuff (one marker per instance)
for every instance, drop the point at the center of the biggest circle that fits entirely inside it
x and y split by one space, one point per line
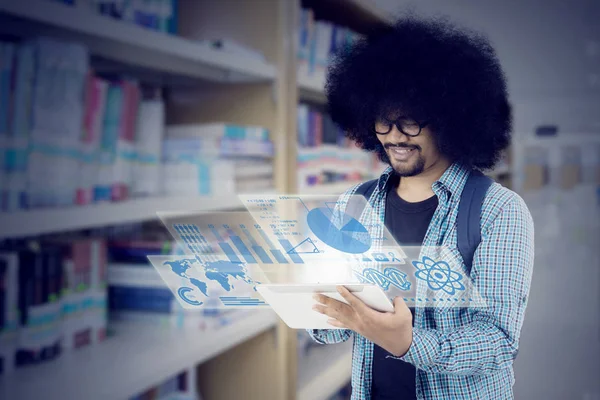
424 347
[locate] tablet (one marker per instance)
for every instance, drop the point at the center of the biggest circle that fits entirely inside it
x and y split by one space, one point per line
293 302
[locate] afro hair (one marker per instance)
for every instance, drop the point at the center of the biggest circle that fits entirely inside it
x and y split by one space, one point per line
429 70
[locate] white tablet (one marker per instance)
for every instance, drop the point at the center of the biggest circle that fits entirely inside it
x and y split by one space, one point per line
293 302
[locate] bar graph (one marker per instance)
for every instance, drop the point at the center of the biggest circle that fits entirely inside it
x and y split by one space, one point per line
235 237
276 252
262 254
240 245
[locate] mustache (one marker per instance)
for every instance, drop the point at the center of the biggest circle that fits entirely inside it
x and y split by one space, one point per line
401 145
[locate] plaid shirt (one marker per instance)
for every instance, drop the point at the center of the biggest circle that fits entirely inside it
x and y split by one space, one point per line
461 353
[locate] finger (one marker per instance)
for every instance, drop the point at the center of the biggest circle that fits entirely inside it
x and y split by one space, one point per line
321 298
400 305
354 301
329 302
330 312
336 323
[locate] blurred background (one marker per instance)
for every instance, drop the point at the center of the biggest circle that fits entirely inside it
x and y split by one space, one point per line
112 110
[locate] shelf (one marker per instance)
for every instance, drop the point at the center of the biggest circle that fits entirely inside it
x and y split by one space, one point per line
324 371
328 188
128 43
312 88
130 362
370 8
42 221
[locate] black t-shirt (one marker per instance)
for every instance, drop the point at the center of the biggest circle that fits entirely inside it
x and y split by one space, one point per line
408 223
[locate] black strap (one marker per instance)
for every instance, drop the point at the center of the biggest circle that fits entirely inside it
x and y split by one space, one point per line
469 216
367 188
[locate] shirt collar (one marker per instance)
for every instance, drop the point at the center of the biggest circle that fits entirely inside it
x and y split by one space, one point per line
452 180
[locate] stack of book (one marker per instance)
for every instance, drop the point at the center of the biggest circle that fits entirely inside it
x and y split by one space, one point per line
52 298
216 159
138 295
69 137
317 42
330 164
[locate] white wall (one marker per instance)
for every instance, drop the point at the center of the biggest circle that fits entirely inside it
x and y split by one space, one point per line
549 49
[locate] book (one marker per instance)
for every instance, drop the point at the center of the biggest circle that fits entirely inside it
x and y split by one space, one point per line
303 124
17 144
57 112
95 103
218 131
108 143
9 280
39 332
322 47
125 155
148 147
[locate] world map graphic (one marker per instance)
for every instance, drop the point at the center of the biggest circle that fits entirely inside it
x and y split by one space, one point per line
223 272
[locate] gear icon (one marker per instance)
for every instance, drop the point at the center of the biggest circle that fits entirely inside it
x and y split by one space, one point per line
438 275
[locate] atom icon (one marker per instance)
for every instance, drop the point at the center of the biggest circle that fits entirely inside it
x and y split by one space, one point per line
438 275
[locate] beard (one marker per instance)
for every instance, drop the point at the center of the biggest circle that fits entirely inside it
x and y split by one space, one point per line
413 167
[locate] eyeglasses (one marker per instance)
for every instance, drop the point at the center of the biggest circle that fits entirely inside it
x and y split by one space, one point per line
408 126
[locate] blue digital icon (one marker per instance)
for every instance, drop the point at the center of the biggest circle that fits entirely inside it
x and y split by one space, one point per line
380 257
225 273
307 246
185 295
395 259
347 235
438 275
390 276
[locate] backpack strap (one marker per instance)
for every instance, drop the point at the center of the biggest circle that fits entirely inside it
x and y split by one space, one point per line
367 188
469 215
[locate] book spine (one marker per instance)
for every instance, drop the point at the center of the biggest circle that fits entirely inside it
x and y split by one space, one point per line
125 155
7 51
150 132
140 298
108 143
99 272
91 135
318 129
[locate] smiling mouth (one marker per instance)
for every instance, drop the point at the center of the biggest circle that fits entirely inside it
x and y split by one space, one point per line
401 153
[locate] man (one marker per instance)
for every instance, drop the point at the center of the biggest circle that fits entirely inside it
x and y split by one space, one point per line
431 100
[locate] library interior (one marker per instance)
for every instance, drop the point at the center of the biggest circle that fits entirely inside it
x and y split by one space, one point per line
129 109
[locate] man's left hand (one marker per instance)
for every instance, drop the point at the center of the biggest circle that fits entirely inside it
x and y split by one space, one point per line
390 330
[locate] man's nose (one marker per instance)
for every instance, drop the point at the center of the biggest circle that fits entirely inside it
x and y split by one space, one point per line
396 136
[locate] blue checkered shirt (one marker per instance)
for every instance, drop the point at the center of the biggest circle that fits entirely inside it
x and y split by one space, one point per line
461 353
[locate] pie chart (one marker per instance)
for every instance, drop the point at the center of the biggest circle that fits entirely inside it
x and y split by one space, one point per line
344 233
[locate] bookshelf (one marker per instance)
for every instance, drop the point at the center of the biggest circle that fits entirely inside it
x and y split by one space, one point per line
130 44
257 353
134 359
44 221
